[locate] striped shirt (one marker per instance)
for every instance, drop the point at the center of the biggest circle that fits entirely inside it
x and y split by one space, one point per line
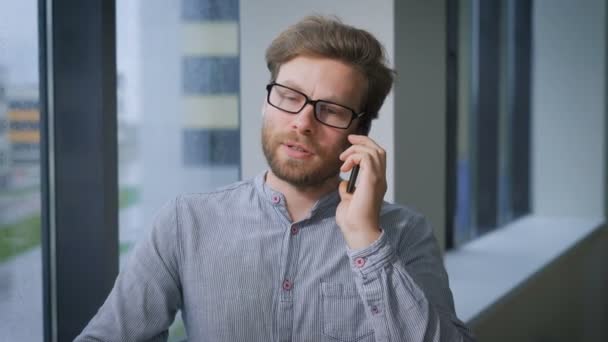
240 270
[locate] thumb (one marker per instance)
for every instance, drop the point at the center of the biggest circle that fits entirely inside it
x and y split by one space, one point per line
342 190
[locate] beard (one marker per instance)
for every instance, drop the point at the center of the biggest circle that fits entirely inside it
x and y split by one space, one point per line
324 166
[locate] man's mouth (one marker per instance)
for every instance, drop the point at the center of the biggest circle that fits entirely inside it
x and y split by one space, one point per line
297 147
297 151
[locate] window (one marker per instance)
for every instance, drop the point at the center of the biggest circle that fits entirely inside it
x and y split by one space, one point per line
178 105
20 252
492 107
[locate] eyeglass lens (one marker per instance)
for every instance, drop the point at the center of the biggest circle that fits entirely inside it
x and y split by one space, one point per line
293 102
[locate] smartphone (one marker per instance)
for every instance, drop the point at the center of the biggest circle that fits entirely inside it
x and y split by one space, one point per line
350 187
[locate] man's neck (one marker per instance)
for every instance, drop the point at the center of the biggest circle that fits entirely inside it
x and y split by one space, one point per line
299 200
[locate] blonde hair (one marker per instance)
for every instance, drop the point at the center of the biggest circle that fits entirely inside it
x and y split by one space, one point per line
328 37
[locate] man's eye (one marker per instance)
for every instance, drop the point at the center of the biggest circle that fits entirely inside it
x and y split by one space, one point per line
328 110
289 97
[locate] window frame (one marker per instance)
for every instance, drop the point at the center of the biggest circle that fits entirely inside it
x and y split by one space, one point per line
78 155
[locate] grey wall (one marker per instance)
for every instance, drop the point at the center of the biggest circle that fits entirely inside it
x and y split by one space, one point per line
420 109
568 106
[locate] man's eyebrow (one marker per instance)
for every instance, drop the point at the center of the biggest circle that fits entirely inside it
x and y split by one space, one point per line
330 98
292 85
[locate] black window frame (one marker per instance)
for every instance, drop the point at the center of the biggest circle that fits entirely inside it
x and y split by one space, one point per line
78 157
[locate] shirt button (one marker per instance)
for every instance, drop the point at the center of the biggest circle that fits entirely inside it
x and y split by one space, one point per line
276 199
359 262
294 230
287 285
375 309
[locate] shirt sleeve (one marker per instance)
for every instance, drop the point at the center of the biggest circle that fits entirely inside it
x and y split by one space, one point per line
406 291
147 292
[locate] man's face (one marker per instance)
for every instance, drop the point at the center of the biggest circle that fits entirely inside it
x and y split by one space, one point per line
299 149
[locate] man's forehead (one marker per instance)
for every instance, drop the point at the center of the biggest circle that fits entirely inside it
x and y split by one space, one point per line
291 83
323 78
328 90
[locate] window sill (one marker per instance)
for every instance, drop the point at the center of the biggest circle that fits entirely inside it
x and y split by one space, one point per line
490 268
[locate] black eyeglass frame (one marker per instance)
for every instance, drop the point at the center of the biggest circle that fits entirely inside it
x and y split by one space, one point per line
355 115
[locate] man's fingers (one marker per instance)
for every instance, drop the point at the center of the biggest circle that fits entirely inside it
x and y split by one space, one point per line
349 163
356 139
376 155
366 160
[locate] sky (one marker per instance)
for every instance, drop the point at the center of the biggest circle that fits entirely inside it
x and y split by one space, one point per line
19 38
19 41
19 48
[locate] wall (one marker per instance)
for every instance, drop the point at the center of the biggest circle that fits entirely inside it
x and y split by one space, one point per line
567 301
420 109
568 105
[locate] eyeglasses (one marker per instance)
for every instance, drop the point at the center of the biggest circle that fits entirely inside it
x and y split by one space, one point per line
292 101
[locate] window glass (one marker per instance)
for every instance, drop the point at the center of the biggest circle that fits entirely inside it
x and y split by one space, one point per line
178 106
20 253
493 115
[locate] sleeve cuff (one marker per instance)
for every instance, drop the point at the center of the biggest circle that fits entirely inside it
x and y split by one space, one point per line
368 260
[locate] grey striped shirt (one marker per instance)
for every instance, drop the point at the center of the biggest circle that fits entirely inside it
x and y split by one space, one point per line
240 270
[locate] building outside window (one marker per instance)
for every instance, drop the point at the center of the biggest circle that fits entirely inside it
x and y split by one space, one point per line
20 251
178 107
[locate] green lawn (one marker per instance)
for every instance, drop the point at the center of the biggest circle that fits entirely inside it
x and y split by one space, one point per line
128 196
19 237
22 236
177 331
124 247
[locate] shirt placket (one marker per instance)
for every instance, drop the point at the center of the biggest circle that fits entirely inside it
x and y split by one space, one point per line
287 286
286 298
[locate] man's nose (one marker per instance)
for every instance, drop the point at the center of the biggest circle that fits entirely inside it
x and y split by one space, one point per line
304 122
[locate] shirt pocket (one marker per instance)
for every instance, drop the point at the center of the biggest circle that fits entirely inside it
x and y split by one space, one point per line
344 317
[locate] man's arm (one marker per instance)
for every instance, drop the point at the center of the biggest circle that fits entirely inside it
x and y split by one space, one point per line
406 291
146 294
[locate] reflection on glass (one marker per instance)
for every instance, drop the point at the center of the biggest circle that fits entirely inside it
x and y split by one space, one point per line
464 220
20 254
178 91
473 214
505 111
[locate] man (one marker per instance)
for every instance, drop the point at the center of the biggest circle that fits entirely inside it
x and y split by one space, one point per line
290 255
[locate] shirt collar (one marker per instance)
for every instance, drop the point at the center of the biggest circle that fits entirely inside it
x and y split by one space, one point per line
328 201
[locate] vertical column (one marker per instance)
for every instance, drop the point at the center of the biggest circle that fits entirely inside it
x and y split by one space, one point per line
420 100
